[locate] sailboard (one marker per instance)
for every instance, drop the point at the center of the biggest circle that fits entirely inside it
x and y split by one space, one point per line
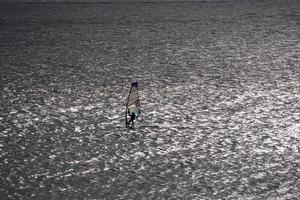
133 101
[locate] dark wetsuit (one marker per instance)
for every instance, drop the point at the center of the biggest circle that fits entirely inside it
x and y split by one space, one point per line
132 118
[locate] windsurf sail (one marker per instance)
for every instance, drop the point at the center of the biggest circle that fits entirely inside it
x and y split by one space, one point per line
133 101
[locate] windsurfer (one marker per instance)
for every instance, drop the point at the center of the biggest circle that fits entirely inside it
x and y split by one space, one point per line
133 105
132 118
133 112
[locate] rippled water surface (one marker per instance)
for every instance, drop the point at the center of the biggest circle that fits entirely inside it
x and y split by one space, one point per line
219 85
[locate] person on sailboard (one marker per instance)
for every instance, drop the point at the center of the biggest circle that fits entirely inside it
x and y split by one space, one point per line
132 105
134 113
132 118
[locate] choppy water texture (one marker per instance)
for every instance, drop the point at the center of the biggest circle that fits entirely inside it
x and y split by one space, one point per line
219 85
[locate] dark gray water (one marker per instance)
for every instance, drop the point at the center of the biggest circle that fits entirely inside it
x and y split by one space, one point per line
219 86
